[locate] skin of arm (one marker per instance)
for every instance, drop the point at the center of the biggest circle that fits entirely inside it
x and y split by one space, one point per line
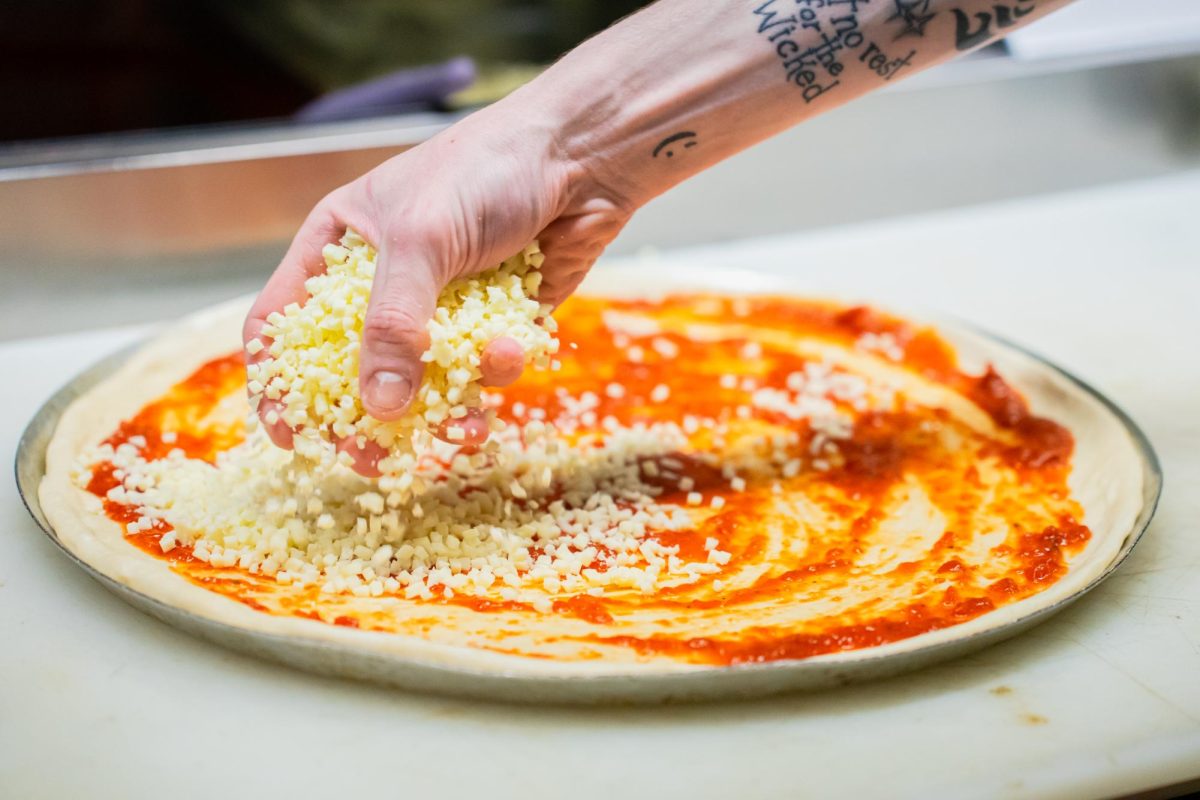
566 159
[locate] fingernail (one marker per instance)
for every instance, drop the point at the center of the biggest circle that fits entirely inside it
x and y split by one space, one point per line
389 391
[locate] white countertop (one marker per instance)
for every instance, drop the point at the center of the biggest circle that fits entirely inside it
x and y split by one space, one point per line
100 701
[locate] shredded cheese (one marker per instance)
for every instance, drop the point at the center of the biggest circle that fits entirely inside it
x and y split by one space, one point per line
535 512
312 368
552 505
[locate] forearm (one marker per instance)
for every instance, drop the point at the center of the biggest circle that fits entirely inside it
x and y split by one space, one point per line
685 84
567 158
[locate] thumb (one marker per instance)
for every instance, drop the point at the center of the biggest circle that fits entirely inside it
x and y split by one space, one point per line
403 298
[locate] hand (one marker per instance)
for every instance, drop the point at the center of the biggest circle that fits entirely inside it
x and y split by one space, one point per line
453 206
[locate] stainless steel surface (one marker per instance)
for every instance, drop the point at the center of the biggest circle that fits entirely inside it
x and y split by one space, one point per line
244 141
150 234
269 138
742 681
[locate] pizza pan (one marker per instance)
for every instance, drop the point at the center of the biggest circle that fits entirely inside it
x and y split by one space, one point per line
516 683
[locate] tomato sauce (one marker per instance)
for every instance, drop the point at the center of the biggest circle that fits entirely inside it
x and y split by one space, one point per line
888 451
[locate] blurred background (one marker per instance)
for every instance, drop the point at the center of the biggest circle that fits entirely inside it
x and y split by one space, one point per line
156 156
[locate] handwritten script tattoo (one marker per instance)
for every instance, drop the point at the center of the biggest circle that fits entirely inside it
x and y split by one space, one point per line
667 146
810 45
882 64
915 15
967 36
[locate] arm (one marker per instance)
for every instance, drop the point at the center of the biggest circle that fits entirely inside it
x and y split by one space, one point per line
568 158
684 84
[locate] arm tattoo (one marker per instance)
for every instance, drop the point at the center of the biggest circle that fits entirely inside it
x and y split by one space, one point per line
915 15
686 139
813 48
969 33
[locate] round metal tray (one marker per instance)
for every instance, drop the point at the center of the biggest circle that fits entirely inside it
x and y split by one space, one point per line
701 683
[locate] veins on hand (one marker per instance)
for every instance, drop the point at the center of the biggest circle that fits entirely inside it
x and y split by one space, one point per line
675 142
915 15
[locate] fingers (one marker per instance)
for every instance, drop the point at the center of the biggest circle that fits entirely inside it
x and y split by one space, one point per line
403 299
572 243
278 431
502 361
564 283
302 260
365 460
469 431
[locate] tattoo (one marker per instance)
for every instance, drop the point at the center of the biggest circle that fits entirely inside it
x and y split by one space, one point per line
808 46
915 15
1005 16
884 65
687 137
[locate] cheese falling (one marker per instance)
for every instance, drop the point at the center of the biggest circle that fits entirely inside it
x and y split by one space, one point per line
313 355
555 503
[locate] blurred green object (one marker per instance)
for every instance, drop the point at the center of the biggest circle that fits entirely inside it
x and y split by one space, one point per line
334 43
493 82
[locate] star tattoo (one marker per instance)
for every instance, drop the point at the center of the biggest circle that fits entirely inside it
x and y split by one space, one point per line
915 15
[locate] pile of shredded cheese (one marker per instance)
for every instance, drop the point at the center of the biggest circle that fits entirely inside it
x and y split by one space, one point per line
313 356
568 503
536 514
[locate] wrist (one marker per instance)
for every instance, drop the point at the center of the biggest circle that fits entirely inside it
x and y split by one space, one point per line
621 99
576 111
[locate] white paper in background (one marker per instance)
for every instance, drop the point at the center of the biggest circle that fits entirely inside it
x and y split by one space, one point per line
1116 28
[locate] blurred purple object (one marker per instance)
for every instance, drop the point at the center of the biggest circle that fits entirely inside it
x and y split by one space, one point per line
417 89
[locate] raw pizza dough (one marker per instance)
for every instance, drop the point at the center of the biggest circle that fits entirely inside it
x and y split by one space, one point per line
1106 480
